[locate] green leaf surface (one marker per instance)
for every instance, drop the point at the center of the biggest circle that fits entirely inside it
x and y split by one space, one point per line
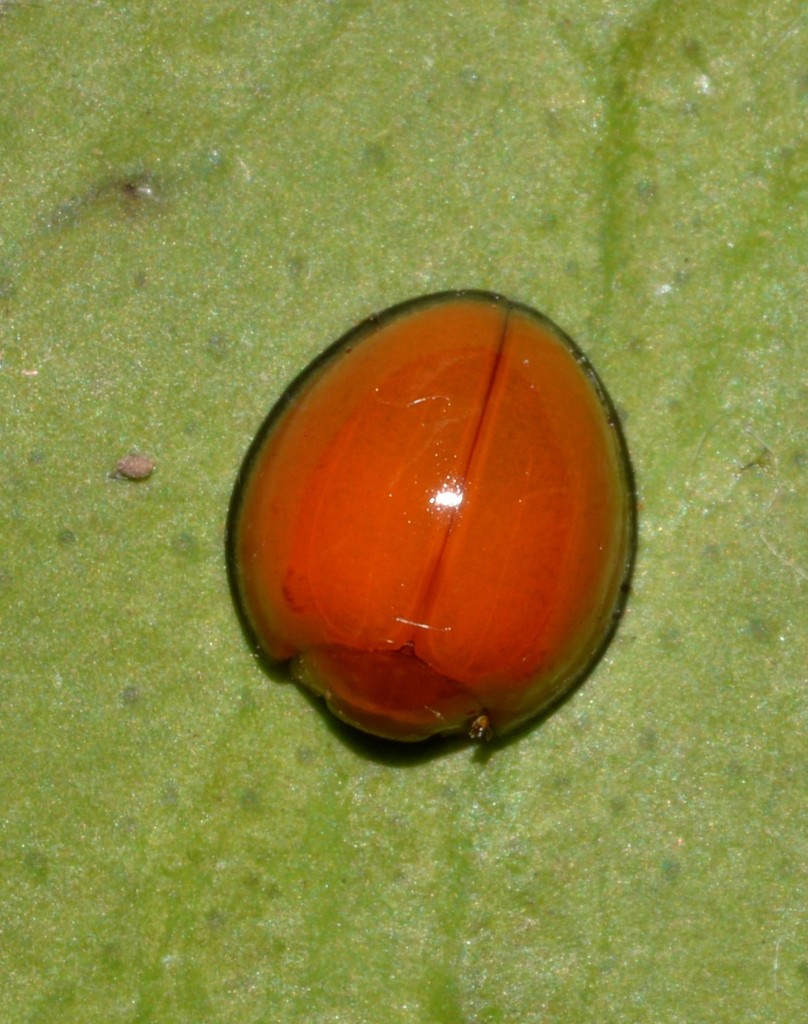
195 198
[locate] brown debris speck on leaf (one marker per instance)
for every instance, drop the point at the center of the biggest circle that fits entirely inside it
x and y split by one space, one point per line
134 467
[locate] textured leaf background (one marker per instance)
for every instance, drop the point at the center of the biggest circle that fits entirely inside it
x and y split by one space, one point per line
195 198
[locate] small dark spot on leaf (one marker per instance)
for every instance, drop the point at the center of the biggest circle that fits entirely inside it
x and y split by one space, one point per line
112 958
252 880
670 638
170 796
671 868
763 460
377 156
185 544
36 866
66 537
694 52
297 267
250 800
637 344
218 346
648 739
645 190
130 695
139 188
758 629
247 701
133 192
215 920
552 121
737 770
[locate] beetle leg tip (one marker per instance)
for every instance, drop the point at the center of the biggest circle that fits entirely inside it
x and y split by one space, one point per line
480 729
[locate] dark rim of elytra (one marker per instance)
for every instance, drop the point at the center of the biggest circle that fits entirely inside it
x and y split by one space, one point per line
369 326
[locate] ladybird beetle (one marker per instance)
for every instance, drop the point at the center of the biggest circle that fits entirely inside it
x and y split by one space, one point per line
436 522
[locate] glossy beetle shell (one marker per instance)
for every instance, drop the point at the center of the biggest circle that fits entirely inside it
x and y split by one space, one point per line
436 521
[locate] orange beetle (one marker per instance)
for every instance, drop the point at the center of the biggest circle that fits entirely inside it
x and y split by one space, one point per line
436 521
